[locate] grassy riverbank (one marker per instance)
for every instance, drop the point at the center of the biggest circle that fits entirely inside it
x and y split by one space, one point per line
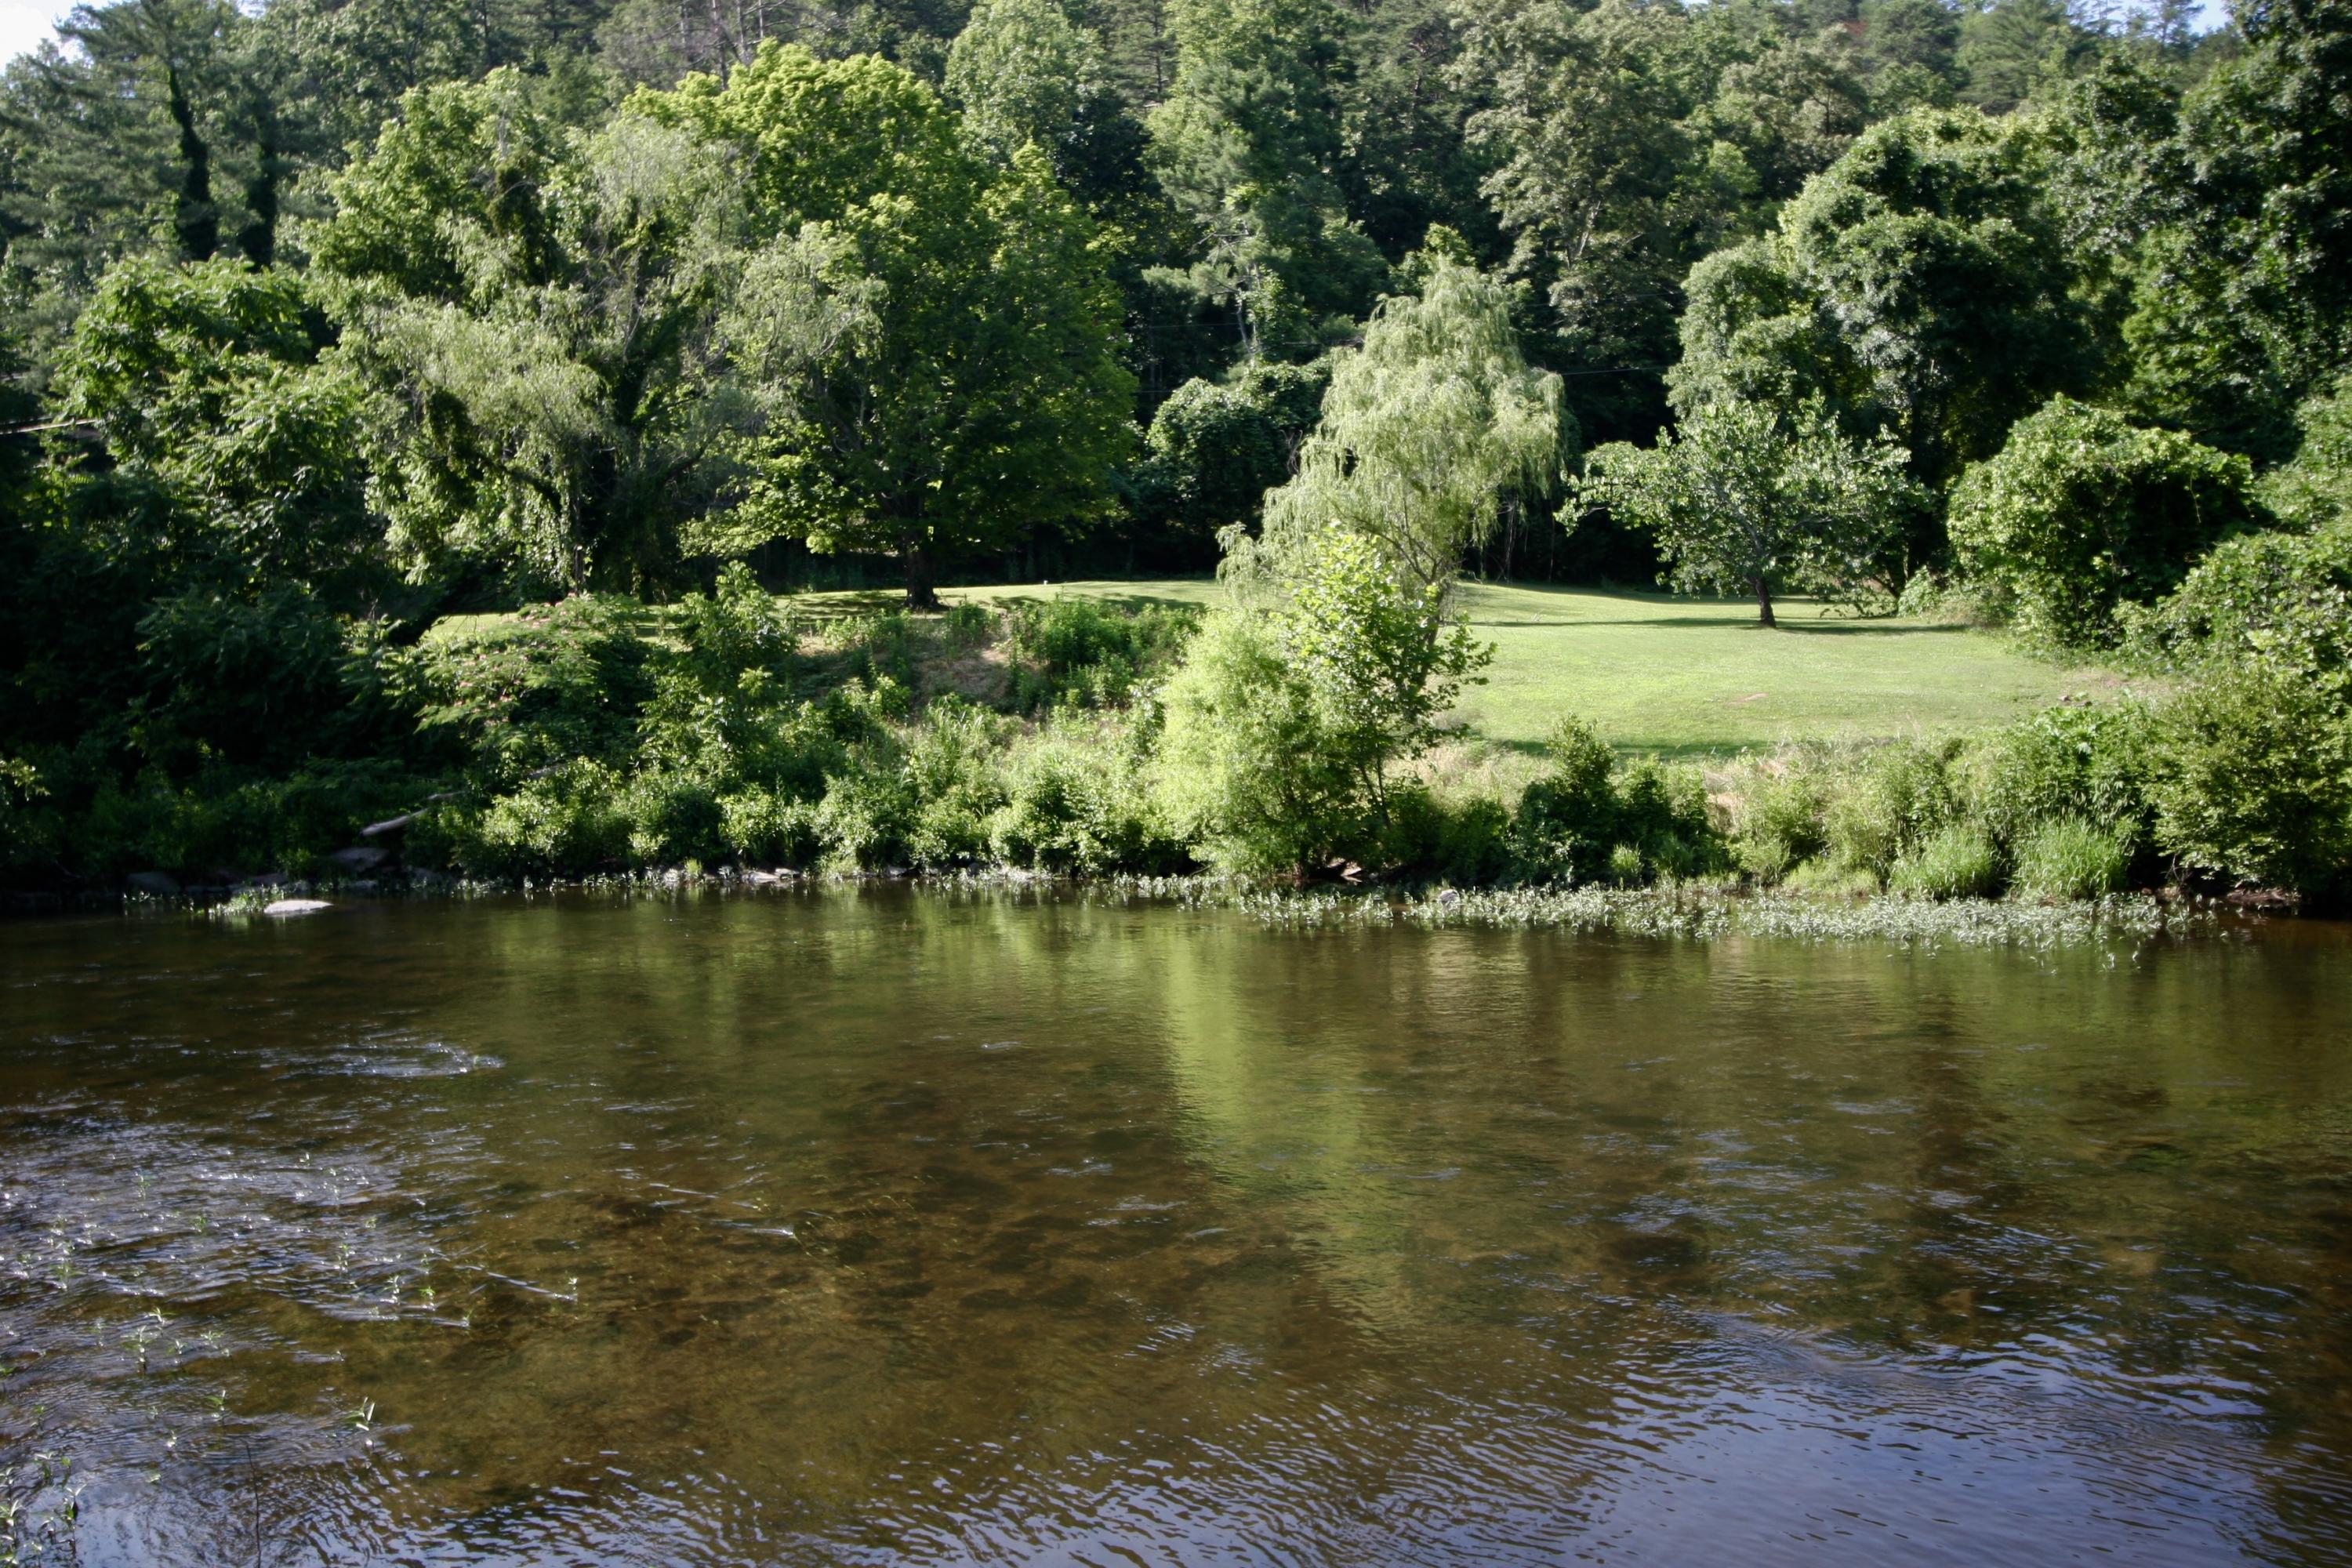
1104 730
1658 674
1677 676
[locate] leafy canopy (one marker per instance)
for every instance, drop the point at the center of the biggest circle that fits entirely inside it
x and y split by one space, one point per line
1743 499
1428 429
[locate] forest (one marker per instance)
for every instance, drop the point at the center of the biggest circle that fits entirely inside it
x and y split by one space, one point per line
444 418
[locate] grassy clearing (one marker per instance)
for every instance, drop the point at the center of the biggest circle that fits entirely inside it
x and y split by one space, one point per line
1657 674
1698 677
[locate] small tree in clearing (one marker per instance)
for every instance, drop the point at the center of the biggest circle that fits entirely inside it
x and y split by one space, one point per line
1744 499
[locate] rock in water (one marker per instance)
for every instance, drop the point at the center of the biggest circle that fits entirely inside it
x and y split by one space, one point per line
295 906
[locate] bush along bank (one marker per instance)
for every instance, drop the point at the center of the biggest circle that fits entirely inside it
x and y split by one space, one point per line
594 739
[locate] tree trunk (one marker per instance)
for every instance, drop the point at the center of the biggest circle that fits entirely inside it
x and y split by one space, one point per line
922 578
194 217
258 239
1763 603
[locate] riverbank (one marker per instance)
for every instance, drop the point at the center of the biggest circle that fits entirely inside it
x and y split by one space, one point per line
1696 911
1089 737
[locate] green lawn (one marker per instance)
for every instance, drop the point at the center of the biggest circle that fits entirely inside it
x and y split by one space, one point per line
1677 676
1696 676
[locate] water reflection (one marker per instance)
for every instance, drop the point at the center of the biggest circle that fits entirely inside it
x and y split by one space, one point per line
839 1227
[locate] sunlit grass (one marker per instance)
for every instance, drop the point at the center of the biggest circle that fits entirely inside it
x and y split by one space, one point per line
1654 672
1697 676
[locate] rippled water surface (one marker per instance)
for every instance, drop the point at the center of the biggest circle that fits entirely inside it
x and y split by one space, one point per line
908 1228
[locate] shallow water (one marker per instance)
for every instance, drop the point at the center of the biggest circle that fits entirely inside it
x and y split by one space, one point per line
894 1227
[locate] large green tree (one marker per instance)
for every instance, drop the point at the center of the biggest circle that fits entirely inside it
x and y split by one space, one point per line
1746 498
536 313
1921 287
930 341
2244 303
1247 145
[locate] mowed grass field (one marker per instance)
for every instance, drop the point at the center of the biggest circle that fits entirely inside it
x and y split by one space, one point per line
1698 677
1657 674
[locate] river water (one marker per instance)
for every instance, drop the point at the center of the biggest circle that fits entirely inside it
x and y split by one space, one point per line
894 1226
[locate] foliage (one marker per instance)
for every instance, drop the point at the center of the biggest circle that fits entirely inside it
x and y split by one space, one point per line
1077 802
1077 654
532 312
552 685
206 380
1588 819
1597 176
1744 498
2314 489
1921 286
1954 862
2079 762
1243 142
2253 781
1020 75
1212 454
2081 511
261 682
2275 599
928 341
1244 772
2071 857
2243 300
1428 429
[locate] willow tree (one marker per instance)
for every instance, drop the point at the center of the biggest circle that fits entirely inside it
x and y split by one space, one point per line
1430 430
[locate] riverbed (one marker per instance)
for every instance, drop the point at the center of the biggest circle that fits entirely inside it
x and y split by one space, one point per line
882 1224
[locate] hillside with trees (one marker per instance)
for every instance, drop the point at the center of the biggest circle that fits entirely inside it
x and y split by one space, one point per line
430 413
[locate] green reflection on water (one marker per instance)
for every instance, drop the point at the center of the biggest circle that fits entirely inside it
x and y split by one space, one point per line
911 1225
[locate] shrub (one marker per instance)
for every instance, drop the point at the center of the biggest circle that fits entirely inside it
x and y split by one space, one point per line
1076 653
2081 512
1567 821
866 818
263 681
2075 761
950 773
2253 782
768 827
2281 599
672 816
1473 842
2315 491
1075 803
1246 773
1778 822
2068 857
227 821
1898 797
1587 818
571 821
533 691
1953 862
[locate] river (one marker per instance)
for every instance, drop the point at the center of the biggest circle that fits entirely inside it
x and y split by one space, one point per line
891 1226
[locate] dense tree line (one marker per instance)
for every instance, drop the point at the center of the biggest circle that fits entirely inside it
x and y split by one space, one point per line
330 318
